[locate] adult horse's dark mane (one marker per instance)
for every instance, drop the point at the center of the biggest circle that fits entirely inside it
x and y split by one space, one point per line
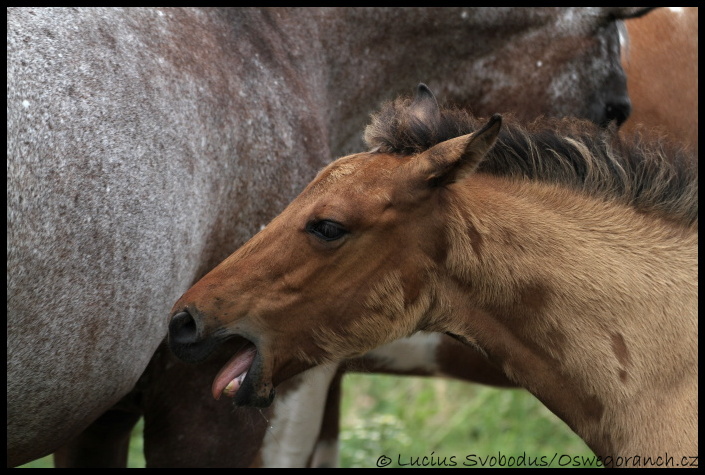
650 175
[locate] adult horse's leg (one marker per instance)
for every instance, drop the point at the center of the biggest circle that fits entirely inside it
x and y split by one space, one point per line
104 443
325 453
297 418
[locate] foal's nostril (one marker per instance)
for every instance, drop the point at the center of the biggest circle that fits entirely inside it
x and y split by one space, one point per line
618 109
182 328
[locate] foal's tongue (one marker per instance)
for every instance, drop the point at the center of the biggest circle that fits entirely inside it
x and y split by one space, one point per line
234 372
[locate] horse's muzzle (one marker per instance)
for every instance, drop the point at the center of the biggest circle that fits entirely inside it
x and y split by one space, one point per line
182 329
185 342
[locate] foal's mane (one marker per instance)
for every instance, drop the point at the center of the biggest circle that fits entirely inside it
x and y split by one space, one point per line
651 175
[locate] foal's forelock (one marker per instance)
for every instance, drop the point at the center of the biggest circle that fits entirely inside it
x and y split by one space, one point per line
652 175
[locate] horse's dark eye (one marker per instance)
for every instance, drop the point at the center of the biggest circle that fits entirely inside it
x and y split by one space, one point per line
326 230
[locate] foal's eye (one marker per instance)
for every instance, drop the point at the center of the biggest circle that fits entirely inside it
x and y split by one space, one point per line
326 230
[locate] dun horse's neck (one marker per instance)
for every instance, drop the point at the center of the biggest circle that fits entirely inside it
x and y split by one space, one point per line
588 305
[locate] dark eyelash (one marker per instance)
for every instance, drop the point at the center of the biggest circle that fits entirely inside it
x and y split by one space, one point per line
326 230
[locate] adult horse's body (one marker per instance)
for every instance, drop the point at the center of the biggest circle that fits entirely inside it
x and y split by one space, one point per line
560 253
143 145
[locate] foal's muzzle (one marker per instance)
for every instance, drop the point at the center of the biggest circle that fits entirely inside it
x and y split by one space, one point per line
184 339
182 329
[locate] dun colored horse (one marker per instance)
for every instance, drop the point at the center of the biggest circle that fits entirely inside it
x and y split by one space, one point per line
659 55
565 254
140 146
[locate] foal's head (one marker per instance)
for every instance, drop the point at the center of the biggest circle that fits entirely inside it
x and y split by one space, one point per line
345 268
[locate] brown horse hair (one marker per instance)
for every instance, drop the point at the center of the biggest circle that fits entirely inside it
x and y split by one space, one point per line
648 173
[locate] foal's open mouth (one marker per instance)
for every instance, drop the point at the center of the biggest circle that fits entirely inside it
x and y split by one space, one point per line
232 376
245 377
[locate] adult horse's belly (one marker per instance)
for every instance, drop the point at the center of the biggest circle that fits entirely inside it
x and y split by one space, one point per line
121 167
91 247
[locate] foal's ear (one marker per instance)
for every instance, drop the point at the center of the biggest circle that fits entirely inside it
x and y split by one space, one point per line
457 158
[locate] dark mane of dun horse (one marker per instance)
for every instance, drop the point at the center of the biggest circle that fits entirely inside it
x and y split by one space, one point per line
567 255
144 145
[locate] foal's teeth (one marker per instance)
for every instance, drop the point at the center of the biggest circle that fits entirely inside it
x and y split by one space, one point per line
230 388
234 385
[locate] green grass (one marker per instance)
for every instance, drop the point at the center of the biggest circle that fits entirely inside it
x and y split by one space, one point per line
409 418
451 423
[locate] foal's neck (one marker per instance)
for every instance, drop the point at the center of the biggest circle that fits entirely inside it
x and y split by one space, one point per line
588 305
